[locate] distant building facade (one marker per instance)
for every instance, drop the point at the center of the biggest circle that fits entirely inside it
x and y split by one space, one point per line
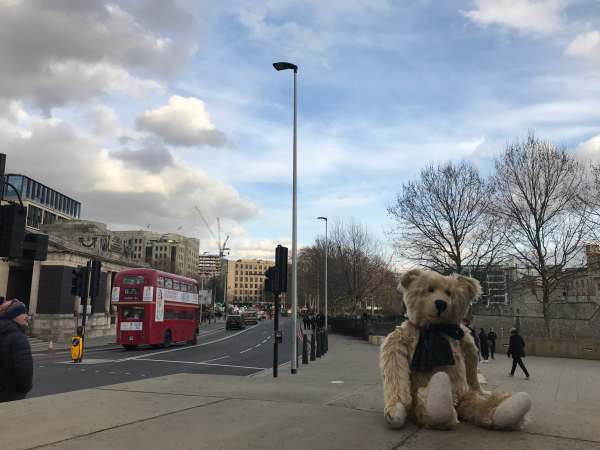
246 280
209 266
169 252
44 205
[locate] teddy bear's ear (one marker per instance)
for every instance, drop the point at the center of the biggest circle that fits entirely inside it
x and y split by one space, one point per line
409 277
469 286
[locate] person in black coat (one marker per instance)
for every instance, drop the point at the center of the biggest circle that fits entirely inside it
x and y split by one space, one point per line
492 336
16 363
516 349
483 345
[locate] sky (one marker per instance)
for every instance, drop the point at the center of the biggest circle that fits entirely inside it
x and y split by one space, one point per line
145 110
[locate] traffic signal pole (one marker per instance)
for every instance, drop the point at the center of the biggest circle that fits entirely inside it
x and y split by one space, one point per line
276 340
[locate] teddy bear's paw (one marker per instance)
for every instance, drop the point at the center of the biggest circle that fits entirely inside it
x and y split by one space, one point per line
439 403
396 418
510 414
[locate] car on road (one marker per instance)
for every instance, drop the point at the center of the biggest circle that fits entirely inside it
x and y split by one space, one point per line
234 321
250 317
261 315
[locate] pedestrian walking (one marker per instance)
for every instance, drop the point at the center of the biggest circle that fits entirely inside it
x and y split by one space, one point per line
492 336
483 345
16 364
516 349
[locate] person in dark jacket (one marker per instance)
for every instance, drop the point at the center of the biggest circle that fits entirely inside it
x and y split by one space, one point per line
492 336
516 349
483 345
16 364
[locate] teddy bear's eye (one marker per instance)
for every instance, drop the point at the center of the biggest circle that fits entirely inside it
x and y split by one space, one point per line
431 289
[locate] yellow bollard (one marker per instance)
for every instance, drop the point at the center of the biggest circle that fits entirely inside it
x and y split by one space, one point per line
76 348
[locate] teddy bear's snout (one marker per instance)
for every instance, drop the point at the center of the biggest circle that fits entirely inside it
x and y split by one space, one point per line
441 306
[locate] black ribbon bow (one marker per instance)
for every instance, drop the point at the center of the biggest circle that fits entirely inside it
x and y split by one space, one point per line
433 349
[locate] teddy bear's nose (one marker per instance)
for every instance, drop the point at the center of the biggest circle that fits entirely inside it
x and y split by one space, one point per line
441 306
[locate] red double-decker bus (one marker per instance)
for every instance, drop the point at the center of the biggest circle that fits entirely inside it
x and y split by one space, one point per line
156 308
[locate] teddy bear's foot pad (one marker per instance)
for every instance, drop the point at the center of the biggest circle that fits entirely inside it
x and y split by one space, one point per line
439 403
511 411
396 418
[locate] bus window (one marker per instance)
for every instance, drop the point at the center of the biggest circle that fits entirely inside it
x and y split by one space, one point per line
176 285
168 283
185 287
136 280
170 314
133 312
160 282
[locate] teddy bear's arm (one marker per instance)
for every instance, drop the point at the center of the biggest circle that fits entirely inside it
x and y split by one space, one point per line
471 359
395 370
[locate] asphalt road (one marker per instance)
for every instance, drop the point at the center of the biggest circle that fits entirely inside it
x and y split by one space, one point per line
219 351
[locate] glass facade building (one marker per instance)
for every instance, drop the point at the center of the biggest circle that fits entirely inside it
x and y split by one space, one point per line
44 205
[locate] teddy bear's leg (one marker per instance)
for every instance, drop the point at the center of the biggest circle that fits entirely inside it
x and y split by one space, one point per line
498 410
434 404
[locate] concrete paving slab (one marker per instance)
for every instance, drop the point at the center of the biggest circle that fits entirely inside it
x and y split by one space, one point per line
43 420
250 424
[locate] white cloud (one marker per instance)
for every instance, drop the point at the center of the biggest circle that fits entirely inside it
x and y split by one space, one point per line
585 45
56 52
589 149
257 248
183 121
536 16
114 189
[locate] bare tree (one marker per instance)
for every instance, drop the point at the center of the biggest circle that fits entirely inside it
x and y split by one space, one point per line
358 273
443 221
537 191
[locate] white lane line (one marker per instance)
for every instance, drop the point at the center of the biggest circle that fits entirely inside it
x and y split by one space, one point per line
264 340
257 345
187 347
200 363
215 359
247 350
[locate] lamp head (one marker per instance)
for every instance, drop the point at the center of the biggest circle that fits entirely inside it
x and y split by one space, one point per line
285 66
322 218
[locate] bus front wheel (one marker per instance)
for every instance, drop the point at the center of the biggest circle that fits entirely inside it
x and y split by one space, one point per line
168 339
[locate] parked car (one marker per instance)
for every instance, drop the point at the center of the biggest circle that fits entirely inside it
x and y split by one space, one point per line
261 315
234 321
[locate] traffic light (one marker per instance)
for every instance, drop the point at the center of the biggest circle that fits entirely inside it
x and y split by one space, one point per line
281 264
77 281
271 280
96 276
12 230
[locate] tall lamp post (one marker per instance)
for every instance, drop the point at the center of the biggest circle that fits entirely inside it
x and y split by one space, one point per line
326 250
289 66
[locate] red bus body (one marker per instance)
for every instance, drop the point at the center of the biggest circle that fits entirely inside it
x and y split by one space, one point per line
155 307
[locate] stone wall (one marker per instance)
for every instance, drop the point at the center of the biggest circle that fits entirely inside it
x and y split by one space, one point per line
60 327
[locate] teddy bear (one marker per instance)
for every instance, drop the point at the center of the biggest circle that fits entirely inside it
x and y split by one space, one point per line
429 363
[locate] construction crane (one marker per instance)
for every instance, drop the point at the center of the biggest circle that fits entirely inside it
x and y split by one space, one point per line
221 247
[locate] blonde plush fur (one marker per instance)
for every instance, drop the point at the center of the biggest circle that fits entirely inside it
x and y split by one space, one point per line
401 385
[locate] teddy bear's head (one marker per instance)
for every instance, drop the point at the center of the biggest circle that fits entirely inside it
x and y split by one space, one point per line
433 298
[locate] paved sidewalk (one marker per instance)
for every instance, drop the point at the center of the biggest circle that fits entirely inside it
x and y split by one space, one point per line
332 403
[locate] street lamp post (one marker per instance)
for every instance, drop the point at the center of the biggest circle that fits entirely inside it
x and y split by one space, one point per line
289 66
326 250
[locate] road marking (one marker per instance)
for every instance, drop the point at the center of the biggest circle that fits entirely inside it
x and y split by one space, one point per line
143 374
97 371
247 350
127 373
257 345
201 363
183 348
216 359
264 340
112 373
